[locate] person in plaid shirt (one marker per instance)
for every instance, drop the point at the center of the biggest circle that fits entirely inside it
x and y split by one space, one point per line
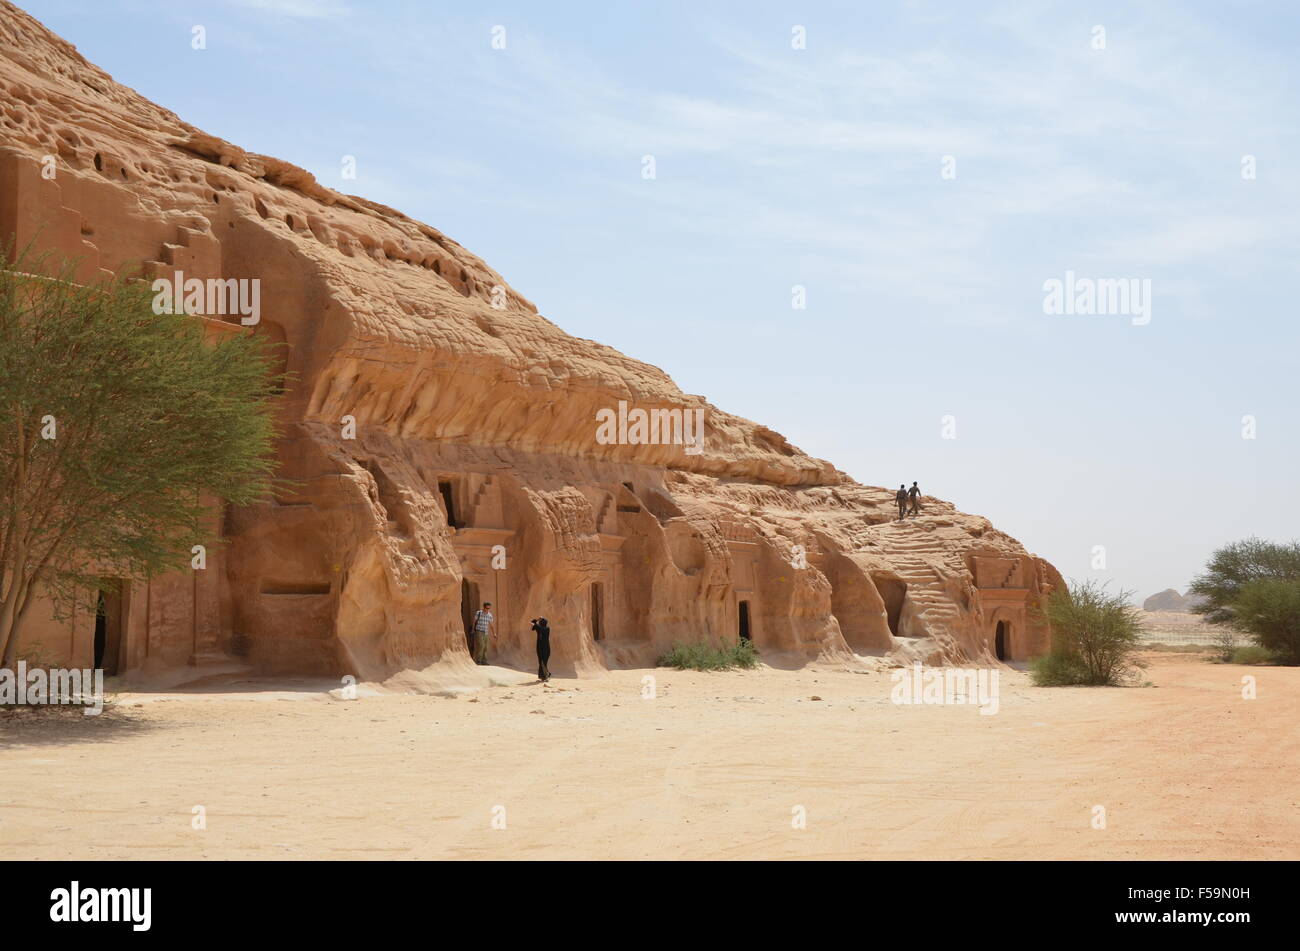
484 627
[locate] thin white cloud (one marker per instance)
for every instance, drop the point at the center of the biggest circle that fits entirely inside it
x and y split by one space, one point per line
1066 157
299 9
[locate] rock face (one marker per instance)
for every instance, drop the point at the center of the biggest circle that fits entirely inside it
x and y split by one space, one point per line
449 445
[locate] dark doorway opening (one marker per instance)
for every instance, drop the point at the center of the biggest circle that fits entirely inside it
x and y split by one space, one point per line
101 630
744 621
597 611
108 630
469 605
893 593
1001 641
445 489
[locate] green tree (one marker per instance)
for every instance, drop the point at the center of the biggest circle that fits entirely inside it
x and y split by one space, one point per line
1094 635
117 425
1253 586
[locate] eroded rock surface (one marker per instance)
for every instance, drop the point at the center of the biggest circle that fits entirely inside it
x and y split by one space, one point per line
474 471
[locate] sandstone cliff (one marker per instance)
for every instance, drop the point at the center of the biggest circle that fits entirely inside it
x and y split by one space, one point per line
442 437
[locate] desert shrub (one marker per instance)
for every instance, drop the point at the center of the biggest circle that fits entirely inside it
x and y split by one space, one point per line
1225 644
1056 670
1253 586
745 654
1269 610
701 655
1252 654
1094 637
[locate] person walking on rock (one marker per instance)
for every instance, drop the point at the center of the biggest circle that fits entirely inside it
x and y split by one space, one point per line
914 496
484 627
543 629
901 498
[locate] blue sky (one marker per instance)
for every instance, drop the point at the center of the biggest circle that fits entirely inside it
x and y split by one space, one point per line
822 167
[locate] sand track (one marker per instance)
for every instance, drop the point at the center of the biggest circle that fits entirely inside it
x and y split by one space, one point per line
710 769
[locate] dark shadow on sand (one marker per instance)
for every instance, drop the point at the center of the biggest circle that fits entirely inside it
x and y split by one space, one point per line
64 725
225 682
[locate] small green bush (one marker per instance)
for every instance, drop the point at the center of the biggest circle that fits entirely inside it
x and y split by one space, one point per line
1225 644
701 655
1057 670
1252 654
1095 636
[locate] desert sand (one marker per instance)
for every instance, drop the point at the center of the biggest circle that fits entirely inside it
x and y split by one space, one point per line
712 768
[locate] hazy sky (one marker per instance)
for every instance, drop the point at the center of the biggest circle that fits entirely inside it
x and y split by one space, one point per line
825 167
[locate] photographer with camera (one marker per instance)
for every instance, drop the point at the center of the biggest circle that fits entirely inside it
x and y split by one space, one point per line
543 629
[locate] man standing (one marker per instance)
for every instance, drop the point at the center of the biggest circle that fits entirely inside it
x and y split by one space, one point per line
914 496
484 627
901 498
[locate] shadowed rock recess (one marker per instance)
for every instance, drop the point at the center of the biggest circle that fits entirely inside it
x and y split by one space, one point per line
475 472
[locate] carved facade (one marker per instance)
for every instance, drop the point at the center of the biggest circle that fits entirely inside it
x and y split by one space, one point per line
471 472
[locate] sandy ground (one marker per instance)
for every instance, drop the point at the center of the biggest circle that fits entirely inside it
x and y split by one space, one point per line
716 766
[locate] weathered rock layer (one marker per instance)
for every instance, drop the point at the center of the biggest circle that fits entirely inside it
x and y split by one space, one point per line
442 438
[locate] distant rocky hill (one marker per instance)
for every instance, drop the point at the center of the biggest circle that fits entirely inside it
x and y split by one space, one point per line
1171 600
